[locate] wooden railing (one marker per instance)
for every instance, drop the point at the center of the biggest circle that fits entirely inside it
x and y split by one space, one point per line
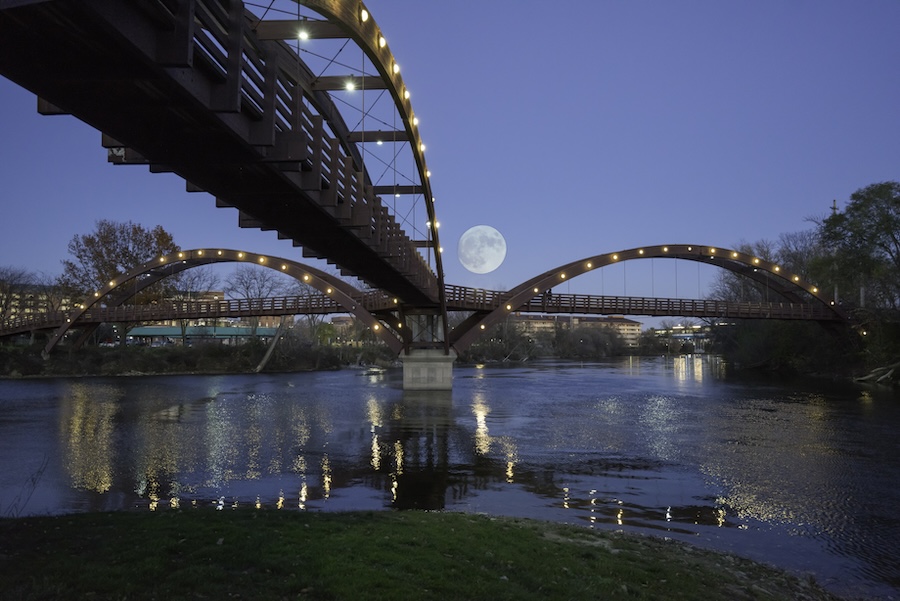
459 298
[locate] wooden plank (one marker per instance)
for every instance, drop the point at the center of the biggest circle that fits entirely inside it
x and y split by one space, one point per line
290 30
332 83
370 137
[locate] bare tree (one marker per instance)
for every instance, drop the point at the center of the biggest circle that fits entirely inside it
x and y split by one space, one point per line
799 251
732 287
312 323
52 293
192 285
250 282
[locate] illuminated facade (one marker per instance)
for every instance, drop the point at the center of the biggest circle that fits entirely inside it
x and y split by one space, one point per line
35 300
627 329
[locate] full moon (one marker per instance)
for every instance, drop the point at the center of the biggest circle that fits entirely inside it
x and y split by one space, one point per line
481 249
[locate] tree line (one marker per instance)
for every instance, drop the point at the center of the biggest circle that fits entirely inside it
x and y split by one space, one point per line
853 255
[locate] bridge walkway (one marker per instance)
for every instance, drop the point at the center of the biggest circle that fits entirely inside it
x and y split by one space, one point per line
460 298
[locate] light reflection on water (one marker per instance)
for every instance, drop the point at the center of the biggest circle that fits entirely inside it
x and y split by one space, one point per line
801 476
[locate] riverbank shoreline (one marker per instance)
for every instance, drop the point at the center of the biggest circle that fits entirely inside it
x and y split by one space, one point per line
272 554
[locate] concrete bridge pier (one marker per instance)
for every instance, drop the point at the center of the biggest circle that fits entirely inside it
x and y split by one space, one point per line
428 369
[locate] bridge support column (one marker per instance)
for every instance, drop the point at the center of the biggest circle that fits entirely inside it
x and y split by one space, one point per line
428 369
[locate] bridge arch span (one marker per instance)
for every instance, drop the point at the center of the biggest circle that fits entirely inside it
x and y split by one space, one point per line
139 278
780 280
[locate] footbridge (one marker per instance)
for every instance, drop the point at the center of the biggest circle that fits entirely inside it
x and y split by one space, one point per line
377 303
228 96
384 313
796 297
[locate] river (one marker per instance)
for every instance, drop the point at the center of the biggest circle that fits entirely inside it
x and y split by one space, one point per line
800 475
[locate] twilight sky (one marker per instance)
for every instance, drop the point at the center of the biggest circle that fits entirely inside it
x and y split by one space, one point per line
574 128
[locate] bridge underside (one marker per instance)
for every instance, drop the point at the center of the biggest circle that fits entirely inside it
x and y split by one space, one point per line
123 69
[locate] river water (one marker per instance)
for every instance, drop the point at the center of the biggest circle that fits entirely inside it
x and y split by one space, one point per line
805 476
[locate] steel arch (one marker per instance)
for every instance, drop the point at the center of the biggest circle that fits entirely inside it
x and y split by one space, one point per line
355 19
789 285
165 266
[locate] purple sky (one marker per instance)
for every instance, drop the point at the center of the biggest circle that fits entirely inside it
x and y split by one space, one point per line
574 128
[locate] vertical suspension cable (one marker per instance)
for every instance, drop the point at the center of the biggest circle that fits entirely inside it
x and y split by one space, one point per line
362 122
676 278
394 159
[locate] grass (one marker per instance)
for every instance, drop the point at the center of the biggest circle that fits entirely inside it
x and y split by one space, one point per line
251 554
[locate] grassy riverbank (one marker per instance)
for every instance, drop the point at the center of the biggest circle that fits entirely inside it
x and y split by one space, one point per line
269 554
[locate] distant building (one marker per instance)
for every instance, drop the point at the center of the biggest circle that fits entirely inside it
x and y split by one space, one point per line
343 324
627 329
36 299
160 335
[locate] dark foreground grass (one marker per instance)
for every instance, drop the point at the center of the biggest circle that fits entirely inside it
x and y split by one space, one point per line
247 554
